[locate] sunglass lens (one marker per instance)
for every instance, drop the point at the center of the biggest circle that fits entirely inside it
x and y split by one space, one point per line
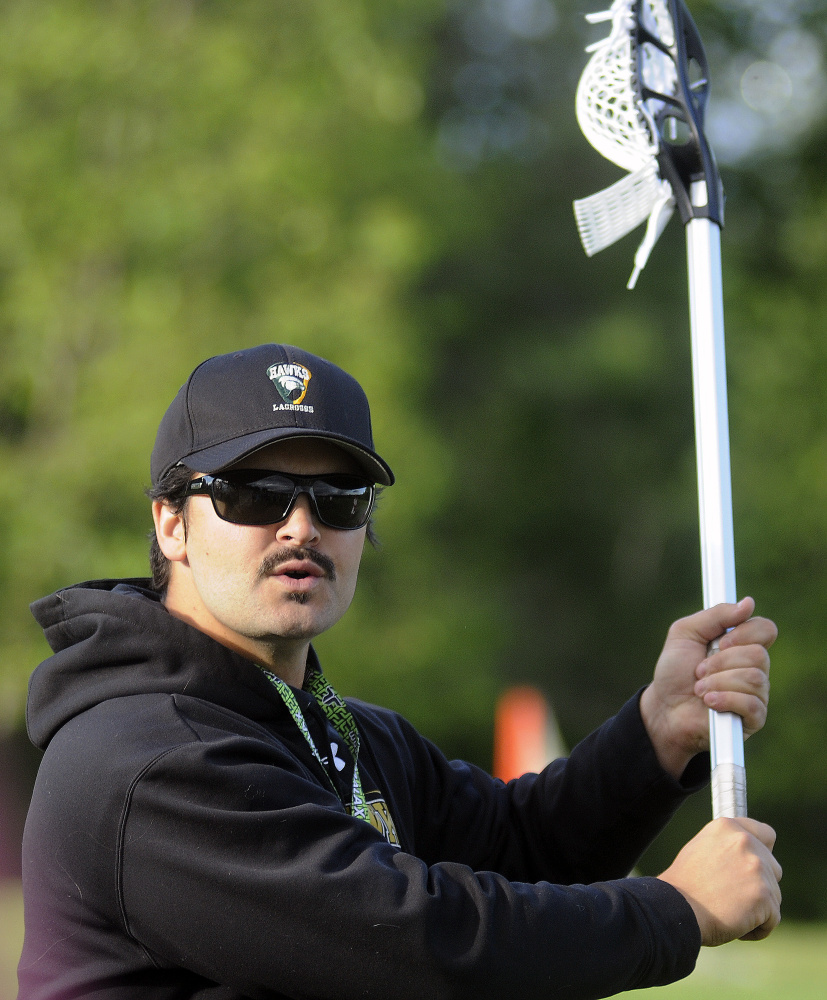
343 501
246 503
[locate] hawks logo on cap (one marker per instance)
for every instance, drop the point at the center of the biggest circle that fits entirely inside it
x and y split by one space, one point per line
289 379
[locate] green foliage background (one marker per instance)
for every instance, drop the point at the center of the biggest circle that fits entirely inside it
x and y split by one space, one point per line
182 178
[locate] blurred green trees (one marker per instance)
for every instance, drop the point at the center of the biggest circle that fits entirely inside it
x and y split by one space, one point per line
390 184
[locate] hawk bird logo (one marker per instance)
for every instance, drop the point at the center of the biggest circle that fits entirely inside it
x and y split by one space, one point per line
290 380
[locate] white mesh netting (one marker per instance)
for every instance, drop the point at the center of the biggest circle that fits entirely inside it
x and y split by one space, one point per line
620 125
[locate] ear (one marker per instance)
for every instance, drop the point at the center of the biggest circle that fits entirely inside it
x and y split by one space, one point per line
171 531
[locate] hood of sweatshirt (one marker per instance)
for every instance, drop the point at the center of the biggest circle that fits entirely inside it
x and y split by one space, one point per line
113 638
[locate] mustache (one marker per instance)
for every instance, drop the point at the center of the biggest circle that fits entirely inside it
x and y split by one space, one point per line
286 554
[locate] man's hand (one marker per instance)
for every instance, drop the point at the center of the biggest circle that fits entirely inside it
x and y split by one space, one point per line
688 681
730 879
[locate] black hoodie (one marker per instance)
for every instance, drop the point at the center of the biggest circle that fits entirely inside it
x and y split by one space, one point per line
183 841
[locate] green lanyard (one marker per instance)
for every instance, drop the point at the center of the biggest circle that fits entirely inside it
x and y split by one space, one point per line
339 716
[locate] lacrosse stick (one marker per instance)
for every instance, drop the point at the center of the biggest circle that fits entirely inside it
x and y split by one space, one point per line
637 105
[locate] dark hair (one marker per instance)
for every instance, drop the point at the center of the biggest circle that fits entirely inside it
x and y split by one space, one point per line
171 490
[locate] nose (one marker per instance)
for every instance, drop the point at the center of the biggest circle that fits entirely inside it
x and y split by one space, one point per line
299 527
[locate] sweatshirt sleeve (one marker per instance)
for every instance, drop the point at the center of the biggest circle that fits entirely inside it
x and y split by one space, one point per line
585 818
237 865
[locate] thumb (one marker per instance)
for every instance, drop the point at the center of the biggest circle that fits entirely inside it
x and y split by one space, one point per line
711 623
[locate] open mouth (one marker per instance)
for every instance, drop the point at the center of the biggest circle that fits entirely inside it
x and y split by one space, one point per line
300 573
298 568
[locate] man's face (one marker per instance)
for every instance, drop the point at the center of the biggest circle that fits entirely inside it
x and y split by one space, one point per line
271 587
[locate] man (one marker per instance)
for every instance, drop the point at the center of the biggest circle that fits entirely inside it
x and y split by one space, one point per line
212 820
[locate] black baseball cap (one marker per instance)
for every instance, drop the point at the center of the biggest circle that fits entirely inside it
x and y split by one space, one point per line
234 404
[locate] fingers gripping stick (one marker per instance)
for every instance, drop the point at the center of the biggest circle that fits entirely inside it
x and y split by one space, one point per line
640 102
729 776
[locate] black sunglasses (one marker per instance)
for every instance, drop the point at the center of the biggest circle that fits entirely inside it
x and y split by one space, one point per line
256 496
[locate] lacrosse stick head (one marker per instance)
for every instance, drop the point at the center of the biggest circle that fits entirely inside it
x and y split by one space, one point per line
640 102
685 156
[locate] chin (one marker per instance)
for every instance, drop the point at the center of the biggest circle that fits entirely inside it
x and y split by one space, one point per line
300 626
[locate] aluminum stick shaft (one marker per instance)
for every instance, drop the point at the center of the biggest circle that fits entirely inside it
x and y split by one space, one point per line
703 241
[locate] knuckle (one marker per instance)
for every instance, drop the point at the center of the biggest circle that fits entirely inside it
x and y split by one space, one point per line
758 679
